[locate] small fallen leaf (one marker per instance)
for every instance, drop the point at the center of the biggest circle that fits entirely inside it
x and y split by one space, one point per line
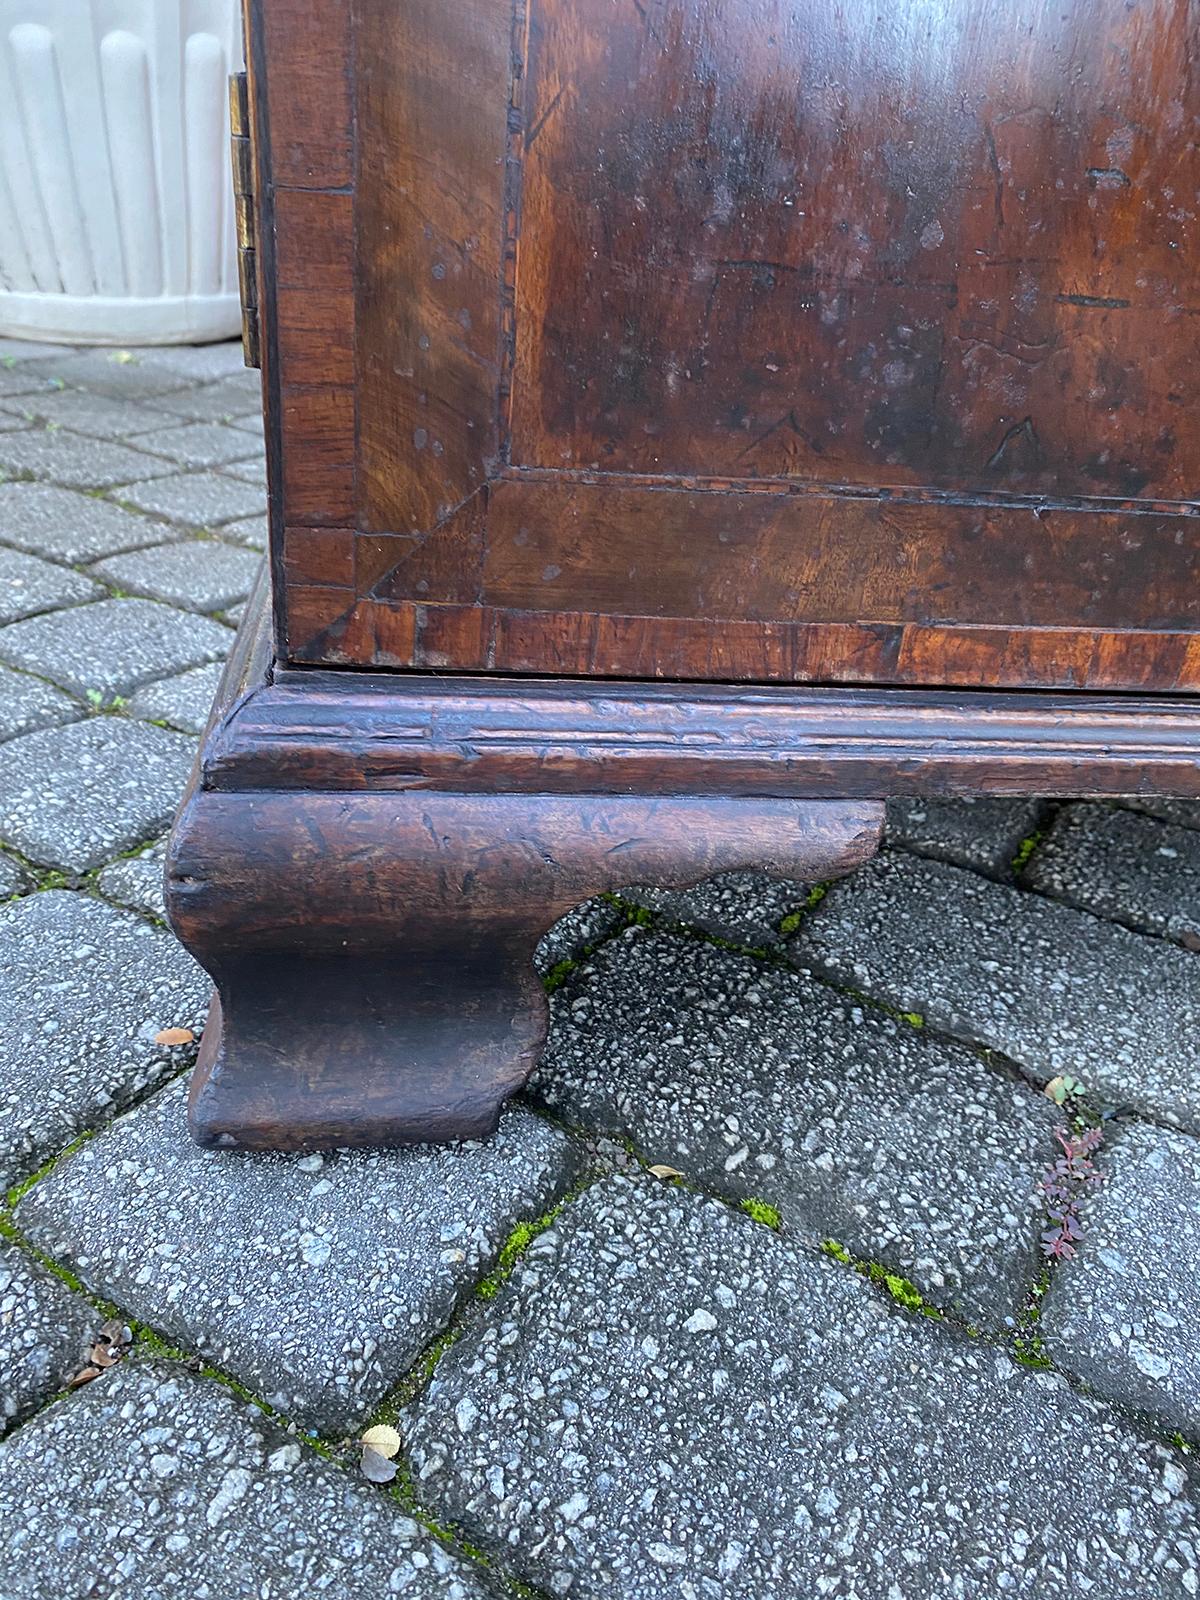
383 1439
663 1171
174 1036
84 1375
376 1468
1056 1090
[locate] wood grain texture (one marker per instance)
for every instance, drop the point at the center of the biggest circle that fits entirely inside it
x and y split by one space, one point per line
951 247
433 125
365 862
372 948
307 47
766 340
330 731
373 953
471 638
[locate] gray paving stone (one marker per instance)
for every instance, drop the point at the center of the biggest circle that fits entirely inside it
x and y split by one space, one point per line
184 702
224 401
72 797
21 378
1124 1314
197 574
316 1280
81 463
1185 813
72 527
744 907
153 1482
758 1083
984 833
137 881
570 938
121 374
1123 865
113 646
253 532
14 350
668 1399
13 423
29 585
199 363
78 412
84 989
1053 988
44 1329
14 879
200 444
27 703
197 499
251 471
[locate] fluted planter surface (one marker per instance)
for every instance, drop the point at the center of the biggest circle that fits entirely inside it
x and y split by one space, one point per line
116 212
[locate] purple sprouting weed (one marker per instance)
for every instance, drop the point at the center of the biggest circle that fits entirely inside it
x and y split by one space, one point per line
1064 1185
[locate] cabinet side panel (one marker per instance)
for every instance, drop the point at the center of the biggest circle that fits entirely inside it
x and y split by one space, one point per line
434 89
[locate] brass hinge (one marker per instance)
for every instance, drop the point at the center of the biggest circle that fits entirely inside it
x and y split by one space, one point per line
243 200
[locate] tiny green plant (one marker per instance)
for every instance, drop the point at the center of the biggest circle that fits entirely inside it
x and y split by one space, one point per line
762 1211
1024 850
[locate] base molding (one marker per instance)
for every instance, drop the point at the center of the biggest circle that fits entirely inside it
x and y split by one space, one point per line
365 862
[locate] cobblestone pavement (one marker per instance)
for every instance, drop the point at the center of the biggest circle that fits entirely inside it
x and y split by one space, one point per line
747 1297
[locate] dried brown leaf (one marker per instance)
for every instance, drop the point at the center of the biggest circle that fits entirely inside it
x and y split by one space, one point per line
663 1171
171 1036
383 1439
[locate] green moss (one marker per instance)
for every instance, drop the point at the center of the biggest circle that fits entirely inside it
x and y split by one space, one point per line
20 1189
792 921
633 915
1025 849
899 1289
913 1018
10 1231
559 973
762 1212
1029 1351
515 1246
55 880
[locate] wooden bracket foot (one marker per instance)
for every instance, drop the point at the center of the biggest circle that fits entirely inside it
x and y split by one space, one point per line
373 953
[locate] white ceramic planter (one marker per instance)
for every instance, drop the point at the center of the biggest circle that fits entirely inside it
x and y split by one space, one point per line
116 207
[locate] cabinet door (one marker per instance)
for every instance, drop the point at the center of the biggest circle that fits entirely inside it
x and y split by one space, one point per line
741 339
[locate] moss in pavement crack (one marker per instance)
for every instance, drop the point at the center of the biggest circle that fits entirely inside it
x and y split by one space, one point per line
899 1288
1025 850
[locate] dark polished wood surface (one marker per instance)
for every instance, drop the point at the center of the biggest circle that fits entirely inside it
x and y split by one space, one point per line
737 338
365 862
372 943
811 349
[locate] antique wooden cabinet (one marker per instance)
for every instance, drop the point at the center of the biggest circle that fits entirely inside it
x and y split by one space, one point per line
690 422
